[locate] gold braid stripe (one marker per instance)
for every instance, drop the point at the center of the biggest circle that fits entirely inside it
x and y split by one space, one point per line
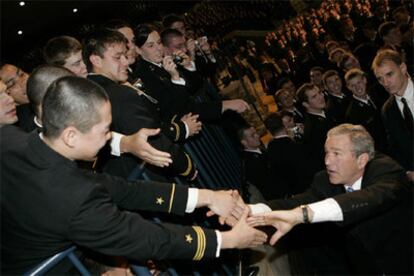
177 131
189 166
201 243
171 197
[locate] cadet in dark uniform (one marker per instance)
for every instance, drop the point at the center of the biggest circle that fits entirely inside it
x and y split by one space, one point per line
105 55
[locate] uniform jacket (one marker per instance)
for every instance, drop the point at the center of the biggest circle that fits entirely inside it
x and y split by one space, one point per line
48 204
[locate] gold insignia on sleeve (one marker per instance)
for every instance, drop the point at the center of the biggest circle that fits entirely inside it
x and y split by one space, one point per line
188 238
201 243
189 166
171 198
159 200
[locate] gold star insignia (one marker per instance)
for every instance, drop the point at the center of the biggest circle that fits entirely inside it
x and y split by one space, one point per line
188 238
159 201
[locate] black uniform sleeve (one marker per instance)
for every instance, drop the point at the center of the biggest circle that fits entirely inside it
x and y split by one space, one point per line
98 224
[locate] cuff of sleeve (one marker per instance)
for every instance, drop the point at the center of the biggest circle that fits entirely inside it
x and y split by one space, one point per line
326 210
259 208
218 235
181 81
116 143
187 132
192 67
192 200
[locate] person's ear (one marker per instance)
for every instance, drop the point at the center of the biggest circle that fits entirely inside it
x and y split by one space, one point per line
70 136
243 142
96 61
403 68
362 160
305 104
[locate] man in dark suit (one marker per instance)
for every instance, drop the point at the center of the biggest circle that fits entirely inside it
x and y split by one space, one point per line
376 213
255 164
337 100
398 110
364 109
317 122
49 204
290 165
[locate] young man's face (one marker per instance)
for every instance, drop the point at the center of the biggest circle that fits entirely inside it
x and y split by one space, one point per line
7 107
132 52
315 100
15 80
286 100
179 26
392 76
152 50
176 44
88 144
316 77
113 64
358 86
342 165
334 84
75 64
251 139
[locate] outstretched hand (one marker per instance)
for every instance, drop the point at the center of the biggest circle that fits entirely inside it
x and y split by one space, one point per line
137 144
228 205
243 235
283 221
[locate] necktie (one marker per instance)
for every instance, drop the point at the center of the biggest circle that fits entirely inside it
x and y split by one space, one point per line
408 116
371 103
349 189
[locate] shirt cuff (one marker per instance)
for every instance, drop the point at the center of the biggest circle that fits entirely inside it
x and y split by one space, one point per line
259 208
326 210
218 235
192 67
181 81
212 58
187 132
116 143
191 200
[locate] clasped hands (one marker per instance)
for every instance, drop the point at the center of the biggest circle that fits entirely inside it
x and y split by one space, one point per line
232 210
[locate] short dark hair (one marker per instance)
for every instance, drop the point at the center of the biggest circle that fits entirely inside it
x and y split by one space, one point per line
115 24
168 34
329 74
385 28
142 32
97 41
278 96
274 122
301 93
60 48
170 19
71 101
317 68
40 80
354 72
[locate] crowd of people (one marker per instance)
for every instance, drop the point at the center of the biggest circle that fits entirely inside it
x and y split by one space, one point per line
122 97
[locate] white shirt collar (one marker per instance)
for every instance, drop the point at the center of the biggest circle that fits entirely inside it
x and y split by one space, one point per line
37 122
361 99
408 93
254 150
322 114
356 186
281 136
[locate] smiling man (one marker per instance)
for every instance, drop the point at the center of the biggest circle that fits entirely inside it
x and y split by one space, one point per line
366 194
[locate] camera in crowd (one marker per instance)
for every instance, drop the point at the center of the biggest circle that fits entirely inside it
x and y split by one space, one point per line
177 59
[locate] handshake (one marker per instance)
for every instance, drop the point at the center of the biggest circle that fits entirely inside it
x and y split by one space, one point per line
231 210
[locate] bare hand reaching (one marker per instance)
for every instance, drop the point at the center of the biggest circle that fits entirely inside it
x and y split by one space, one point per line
242 235
137 144
191 120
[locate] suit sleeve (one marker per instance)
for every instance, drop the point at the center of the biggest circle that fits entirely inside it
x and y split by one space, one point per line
98 224
389 186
